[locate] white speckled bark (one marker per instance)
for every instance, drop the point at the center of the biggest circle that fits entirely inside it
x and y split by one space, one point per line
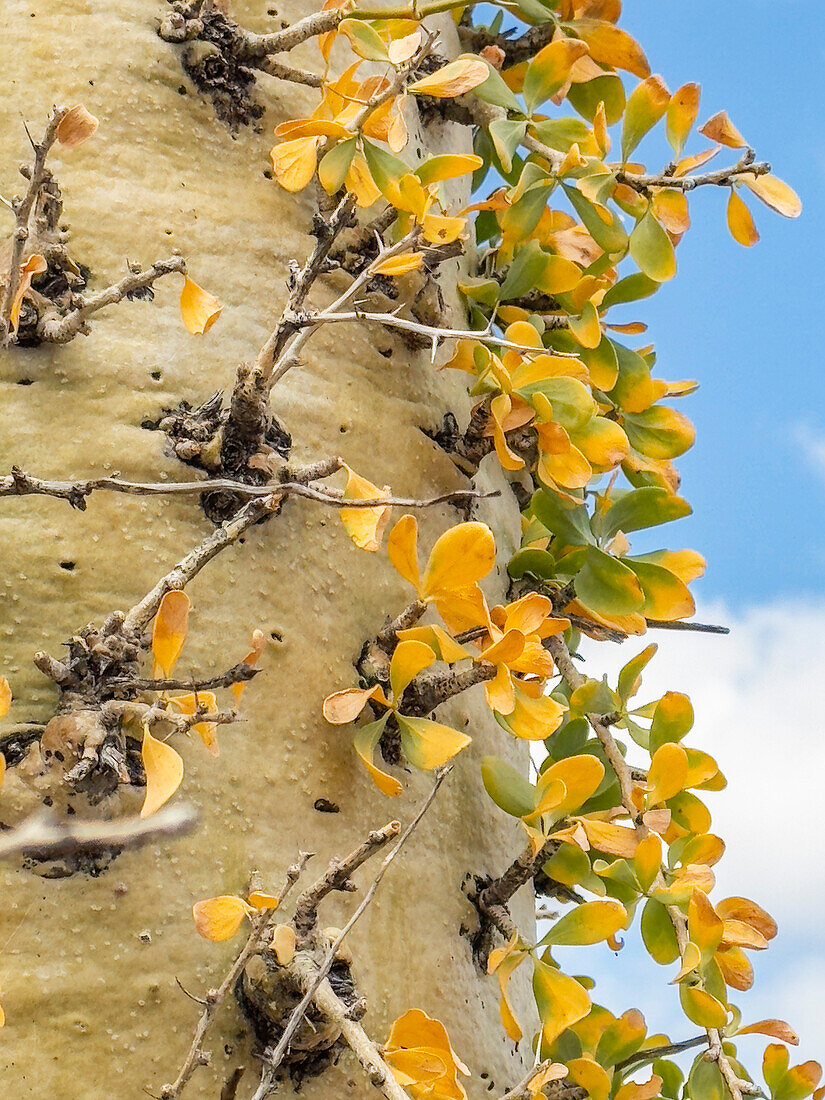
88 965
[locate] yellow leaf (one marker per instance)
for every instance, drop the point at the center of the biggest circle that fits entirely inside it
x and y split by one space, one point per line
259 900
35 265
505 650
740 222
218 919
456 78
427 744
681 115
364 743
460 557
283 943
500 692
581 776
163 768
198 308
440 230
701 1007
365 526
743 909
614 840
721 129
645 1090
735 933
169 630
691 958
736 968
5 696
647 860
344 706
408 660
2 768
399 265
589 1075
76 126
560 999
704 924
503 962
534 718
360 182
774 193
668 773
447 166
436 637
499 410
612 46
687 164
294 162
402 549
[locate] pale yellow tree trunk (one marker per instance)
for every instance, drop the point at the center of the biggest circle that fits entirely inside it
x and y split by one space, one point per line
88 965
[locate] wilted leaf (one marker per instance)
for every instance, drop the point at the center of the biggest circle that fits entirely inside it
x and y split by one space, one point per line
456 78
283 943
76 126
365 526
34 265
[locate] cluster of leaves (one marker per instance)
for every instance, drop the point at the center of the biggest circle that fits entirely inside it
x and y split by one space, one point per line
567 234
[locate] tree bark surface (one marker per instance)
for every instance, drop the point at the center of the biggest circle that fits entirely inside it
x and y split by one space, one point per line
88 964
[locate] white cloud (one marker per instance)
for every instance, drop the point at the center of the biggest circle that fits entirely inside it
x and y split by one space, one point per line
812 443
759 698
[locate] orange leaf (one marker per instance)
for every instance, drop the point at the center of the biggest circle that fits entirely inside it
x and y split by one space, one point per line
774 193
76 126
721 129
164 772
169 630
198 308
456 78
35 265
740 222
218 919
5 696
365 526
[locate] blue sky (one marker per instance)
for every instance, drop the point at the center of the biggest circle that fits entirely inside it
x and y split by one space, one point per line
748 323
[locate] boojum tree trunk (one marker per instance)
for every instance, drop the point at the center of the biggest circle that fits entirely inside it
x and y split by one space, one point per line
90 960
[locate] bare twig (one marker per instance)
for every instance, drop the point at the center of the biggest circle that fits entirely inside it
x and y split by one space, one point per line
338 877
520 1091
37 176
19 483
214 997
54 329
274 1058
652 1053
45 836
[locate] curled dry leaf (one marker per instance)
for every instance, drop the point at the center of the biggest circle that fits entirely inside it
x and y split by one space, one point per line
219 919
365 526
164 771
198 308
76 126
35 265
283 943
456 78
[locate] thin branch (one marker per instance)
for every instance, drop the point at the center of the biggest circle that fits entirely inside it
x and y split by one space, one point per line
651 1054
721 177
238 674
338 876
43 835
54 329
520 1091
19 483
214 997
38 175
274 1059
699 628
432 332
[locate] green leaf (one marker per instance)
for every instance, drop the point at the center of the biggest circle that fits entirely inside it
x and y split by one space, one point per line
591 922
607 89
507 787
630 677
364 39
705 1081
632 288
621 1038
334 166
560 999
525 271
561 133
538 563
652 250
642 508
569 522
658 933
385 169
595 697
506 136
672 720
659 432
607 586
495 91
611 237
